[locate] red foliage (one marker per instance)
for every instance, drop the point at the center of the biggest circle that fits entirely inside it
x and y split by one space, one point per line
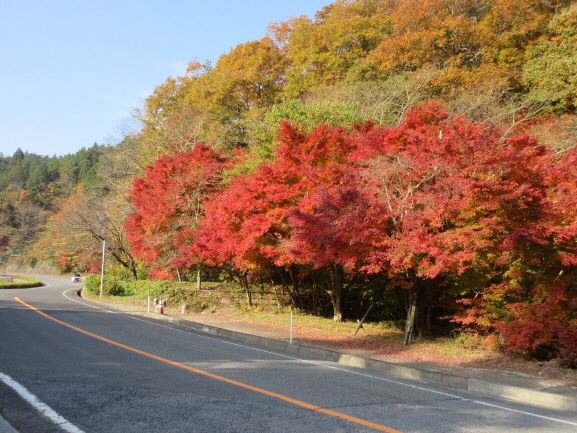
434 199
335 225
545 327
268 217
544 316
64 262
159 274
562 217
454 191
168 204
94 266
534 307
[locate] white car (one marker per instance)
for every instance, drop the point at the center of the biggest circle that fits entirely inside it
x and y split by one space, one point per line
75 278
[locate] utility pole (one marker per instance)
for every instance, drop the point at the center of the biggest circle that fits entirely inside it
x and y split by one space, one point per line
102 268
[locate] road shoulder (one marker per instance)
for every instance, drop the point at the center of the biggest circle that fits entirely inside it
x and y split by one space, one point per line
523 390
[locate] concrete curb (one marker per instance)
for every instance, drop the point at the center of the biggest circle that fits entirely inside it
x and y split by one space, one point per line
528 396
516 394
533 397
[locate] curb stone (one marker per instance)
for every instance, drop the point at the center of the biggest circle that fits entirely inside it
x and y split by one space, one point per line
516 394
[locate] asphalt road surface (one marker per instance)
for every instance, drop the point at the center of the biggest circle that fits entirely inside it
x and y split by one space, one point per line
67 365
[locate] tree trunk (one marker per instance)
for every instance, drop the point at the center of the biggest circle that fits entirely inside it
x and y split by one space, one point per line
198 276
133 271
245 286
286 287
336 292
337 301
274 287
295 288
411 315
424 313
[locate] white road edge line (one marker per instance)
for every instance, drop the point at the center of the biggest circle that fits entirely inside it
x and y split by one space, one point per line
84 303
332 367
526 413
40 406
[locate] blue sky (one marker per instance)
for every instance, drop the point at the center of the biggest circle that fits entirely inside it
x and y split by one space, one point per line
72 72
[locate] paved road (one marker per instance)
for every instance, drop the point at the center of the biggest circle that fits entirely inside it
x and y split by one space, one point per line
89 370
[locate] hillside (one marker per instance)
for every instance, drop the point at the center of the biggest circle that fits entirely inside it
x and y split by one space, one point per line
31 188
414 157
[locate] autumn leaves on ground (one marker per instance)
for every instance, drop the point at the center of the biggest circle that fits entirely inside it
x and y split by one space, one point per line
416 168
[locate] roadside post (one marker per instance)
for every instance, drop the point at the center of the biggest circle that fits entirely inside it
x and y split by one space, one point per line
291 329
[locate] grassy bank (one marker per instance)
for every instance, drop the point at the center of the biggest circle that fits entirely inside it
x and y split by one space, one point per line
20 282
175 294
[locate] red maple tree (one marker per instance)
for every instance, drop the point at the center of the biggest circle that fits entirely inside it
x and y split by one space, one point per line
168 206
459 198
250 225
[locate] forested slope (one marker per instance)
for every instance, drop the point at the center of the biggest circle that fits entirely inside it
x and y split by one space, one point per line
418 156
31 188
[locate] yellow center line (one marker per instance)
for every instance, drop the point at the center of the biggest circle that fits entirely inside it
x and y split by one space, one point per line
287 399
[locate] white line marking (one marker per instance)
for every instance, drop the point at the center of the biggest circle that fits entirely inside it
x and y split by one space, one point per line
332 367
525 413
40 406
84 303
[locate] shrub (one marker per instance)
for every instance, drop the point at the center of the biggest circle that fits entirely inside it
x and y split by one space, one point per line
177 294
92 284
111 285
142 288
468 340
